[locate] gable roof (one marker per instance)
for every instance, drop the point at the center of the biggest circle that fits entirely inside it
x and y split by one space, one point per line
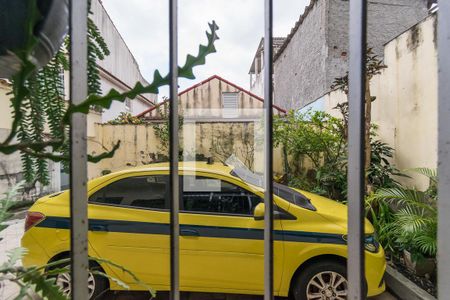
205 81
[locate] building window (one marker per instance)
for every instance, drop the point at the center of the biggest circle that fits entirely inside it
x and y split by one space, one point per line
230 105
128 104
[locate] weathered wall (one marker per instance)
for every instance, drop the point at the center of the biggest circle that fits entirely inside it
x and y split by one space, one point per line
299 69
406 106
318 51
139 144
5 105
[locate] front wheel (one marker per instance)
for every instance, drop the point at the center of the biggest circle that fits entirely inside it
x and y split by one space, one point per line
325 280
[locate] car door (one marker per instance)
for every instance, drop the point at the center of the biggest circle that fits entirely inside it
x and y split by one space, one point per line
128 225
221 243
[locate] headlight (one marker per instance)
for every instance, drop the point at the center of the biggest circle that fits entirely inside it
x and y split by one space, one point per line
371 244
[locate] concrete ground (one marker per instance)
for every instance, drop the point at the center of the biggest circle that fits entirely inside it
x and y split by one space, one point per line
10 239
208 296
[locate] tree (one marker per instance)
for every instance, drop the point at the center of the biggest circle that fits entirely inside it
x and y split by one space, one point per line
374 66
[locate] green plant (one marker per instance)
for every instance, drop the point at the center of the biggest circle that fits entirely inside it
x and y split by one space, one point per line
374 65
381 170
316 138
161 128
54 147
318 141
383 218
415 222
125 118
45 103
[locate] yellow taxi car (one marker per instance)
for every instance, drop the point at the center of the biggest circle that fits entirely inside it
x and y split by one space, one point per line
221 235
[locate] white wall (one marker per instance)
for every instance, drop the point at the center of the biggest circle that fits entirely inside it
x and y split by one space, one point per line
406 106
121 70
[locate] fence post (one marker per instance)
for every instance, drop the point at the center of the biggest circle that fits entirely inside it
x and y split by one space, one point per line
78 151
356 142
268 150
173 152
444 150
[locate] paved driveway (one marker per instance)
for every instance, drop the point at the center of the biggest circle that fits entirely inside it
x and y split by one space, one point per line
11 239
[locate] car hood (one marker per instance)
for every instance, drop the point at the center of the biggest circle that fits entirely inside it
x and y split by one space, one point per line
333 211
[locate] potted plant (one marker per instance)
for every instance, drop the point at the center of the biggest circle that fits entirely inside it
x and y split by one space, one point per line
47 26
415 222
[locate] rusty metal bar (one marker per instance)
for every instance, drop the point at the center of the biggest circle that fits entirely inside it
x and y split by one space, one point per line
268 150
444 151
173 153
356 142
78 150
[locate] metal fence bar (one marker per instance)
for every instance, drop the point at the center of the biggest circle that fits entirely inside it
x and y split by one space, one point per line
78 150
173 152
268 150
444 151
356 138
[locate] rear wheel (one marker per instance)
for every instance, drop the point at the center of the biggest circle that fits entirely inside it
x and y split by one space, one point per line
97 285
325 280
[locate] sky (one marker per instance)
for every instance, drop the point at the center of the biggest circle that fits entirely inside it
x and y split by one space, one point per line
144 26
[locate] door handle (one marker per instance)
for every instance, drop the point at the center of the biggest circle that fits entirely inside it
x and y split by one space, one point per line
189 232
99 227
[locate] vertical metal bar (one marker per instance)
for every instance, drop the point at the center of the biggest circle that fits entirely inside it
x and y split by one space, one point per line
444 150
268 150
78 150
173 152
356 142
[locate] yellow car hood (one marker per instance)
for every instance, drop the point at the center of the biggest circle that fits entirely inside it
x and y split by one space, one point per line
333 211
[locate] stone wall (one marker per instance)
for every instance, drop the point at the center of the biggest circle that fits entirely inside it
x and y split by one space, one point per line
317 51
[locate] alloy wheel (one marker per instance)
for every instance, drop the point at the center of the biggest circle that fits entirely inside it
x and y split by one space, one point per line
327 286
63 280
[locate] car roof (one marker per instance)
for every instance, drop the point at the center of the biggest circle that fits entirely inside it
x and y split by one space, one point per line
218 168
198 166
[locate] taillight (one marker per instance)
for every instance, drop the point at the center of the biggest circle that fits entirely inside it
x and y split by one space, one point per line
33 218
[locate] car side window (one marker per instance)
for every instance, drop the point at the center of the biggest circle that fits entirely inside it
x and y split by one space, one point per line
140 192
210 195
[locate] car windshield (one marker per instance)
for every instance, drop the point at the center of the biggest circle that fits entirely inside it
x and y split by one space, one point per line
241 171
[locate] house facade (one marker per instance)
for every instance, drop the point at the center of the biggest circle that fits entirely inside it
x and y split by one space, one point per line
215 99
256 71
316 50
120 69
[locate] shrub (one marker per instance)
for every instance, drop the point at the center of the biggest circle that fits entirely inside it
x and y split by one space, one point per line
317 143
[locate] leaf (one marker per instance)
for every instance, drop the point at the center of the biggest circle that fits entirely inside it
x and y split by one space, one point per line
112 278
185 71
125 270
14 256
43 285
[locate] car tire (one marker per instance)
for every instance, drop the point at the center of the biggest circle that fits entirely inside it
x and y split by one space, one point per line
325 279
98 285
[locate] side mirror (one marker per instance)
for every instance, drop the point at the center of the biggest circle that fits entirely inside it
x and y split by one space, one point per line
258 213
